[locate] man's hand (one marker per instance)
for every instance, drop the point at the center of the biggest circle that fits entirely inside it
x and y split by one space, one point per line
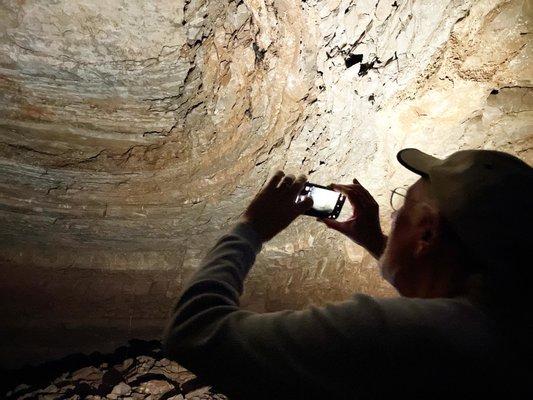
274 207
363 226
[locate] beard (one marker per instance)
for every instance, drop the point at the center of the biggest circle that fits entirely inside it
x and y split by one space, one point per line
386 269
398 265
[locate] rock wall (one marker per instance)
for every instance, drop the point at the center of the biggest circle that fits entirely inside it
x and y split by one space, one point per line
132 134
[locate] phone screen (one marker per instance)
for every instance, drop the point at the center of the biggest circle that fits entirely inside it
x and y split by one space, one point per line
326 202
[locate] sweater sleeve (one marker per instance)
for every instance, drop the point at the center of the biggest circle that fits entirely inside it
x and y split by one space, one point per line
285 354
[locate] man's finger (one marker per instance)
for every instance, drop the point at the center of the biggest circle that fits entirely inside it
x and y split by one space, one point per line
359 186
304 205
351 194
364 190
341 188
298 185
365 195
364 198
287 181
276 178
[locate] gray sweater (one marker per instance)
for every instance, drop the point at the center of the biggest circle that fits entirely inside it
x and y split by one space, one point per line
363 347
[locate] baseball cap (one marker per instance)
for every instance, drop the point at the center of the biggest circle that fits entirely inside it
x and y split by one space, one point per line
486 196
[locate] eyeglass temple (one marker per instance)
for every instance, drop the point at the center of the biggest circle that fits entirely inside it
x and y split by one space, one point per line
395 191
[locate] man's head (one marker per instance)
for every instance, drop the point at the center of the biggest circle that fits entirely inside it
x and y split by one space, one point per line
423 257
469 213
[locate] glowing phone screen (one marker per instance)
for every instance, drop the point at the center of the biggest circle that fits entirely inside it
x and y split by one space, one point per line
324 200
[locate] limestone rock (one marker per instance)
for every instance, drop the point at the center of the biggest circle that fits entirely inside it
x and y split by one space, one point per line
156 387
121 389
87 374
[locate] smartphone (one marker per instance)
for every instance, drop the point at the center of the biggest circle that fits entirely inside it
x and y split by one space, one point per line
327 203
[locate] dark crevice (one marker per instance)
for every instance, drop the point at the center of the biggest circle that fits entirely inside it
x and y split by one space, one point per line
259 53
365 67
192 385
353 59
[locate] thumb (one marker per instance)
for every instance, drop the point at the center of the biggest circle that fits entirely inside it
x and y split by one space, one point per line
332 223
305 204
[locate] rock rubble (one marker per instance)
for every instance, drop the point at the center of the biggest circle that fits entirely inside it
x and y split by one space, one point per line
138 371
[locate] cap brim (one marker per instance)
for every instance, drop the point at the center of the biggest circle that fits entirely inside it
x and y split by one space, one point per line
417 161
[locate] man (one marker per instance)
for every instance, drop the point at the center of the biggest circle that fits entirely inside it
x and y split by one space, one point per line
456 254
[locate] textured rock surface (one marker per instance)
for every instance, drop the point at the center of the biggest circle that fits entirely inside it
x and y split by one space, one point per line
132 134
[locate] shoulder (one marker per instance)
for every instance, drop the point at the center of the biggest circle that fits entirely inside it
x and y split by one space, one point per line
442 330
403 311
440 340
448 311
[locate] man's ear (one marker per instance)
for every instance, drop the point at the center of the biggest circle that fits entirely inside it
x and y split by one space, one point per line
426 230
